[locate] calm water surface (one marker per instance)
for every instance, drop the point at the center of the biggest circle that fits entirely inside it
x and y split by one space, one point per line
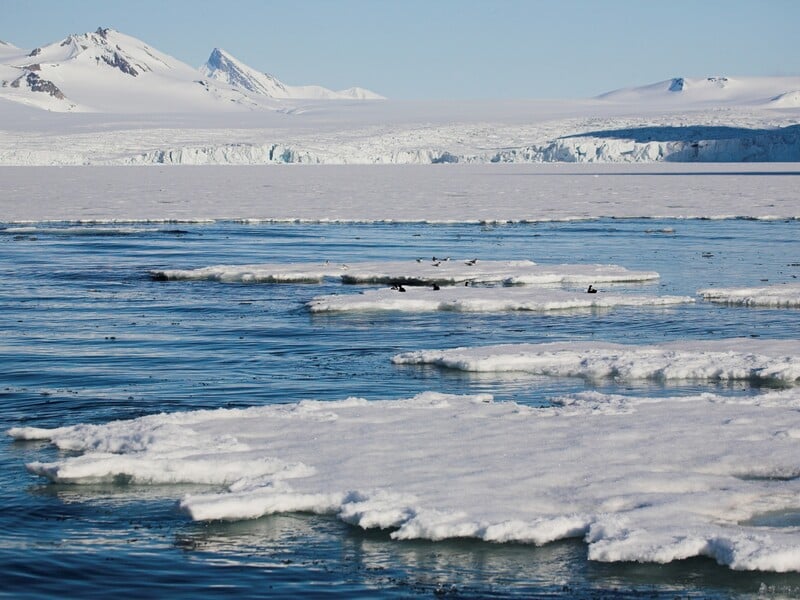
87 336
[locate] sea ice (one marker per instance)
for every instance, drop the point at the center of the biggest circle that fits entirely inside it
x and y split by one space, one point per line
766 361
492 194
639 479
423 271
782 295
484 299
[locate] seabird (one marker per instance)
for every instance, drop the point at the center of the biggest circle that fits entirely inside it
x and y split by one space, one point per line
435 287
471 262
400 288
591 290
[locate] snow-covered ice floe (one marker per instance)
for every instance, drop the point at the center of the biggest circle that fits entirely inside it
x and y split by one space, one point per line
484 299
639 479
758 361
427 271
784 295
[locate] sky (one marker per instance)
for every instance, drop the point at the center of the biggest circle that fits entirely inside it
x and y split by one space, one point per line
446 49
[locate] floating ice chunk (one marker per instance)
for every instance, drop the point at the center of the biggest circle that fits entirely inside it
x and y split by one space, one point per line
443 271
783 295
483 299
640 479
261 273
775 361
579 274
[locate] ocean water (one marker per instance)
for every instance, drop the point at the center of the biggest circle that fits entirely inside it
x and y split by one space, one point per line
88 336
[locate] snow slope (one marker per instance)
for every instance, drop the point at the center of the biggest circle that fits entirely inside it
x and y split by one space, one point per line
709 90
231 114
110 72
226 69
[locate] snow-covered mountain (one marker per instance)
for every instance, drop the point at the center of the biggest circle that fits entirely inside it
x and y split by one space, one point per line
780 92
132 95
224 68
108 71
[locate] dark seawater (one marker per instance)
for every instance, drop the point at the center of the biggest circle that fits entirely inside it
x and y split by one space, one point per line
87 336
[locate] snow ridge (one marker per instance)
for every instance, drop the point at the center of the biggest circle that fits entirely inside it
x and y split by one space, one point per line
224 68
110 72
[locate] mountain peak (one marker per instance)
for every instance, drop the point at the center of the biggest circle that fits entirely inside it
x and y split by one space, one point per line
109 71
224 67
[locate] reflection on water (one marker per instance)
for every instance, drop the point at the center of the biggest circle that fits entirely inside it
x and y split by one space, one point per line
87 336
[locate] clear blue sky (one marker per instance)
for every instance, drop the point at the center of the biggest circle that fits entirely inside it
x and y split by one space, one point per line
446 49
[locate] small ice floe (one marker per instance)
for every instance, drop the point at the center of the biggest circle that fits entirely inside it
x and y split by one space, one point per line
757 361
649 479
442 271
785 295
260 273
484 299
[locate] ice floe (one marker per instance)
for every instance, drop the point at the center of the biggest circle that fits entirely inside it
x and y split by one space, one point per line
783 295
422 271
639 479
755 360
496 193
484 299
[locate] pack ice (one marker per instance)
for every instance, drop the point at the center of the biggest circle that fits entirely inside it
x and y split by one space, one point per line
637 478
775 362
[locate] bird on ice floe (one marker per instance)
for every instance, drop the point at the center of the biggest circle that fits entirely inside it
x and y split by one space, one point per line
591 290
471 262
435 287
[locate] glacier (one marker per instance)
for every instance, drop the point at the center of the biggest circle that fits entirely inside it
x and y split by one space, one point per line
106 98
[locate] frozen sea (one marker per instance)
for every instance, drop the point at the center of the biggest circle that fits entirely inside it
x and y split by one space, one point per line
89 336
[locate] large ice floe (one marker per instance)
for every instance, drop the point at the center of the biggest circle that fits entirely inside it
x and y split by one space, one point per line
442 271
637 478
774 362
484 299
785 295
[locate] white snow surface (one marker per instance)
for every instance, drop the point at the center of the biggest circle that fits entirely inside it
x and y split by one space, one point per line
484 299
638 479
448 194
785 295
754 360
110 99
223 67
210 124
109 72
712 90
444 271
